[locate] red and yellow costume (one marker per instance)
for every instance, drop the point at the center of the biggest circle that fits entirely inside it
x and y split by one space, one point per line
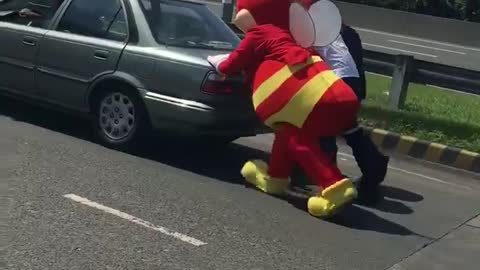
300 98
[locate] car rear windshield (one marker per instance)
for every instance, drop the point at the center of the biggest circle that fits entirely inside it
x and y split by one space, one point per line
187 24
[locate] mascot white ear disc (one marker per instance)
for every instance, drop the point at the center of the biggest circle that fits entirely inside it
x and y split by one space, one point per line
320 25
301 25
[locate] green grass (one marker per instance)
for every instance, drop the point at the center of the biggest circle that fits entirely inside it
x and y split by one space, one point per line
429 113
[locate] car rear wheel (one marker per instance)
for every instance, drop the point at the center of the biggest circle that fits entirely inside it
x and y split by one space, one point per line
120 119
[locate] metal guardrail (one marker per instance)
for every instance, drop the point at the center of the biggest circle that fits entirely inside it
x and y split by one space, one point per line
426 72
422 72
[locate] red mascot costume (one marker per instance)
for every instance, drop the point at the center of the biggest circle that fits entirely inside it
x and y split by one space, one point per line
298 96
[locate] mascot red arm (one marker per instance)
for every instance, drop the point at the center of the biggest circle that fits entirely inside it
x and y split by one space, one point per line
295 93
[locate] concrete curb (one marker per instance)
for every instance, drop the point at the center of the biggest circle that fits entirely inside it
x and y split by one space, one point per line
429 151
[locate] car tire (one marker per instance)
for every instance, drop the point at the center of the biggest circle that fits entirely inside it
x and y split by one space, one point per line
120 119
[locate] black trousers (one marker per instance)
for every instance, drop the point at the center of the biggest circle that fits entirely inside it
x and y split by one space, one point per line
370 160
329 144
356 84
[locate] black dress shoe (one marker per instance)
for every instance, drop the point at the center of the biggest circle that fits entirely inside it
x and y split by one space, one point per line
368 194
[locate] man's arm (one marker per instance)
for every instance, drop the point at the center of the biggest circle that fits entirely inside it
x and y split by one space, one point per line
359 62
361 69
354 44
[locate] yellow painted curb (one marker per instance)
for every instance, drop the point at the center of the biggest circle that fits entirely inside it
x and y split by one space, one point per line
378 135
405 144
465 159
435 151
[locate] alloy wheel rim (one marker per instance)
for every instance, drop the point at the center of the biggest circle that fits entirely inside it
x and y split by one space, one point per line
117 116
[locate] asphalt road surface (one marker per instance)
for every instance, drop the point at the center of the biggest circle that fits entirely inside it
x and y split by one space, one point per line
68 203
422 49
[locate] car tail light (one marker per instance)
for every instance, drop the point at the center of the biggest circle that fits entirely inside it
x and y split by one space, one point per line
217 85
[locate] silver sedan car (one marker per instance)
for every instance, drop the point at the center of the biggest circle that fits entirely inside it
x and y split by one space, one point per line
133 66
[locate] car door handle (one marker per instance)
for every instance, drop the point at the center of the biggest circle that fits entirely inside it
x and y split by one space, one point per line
101 55
29 41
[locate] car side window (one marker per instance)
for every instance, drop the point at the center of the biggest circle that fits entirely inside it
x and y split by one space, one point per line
118 30
179 26
102 19
177 23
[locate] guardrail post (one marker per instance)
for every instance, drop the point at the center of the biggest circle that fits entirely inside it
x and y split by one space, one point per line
227 12
402 74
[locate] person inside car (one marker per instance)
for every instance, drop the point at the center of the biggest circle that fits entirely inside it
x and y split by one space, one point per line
27 12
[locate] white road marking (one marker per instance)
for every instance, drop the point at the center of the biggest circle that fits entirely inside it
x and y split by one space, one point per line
400 50
417 39
416 174
146 224
427 47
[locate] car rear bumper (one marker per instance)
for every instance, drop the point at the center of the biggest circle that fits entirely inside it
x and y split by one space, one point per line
187 117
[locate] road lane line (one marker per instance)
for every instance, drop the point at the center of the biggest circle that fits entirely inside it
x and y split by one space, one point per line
416 174
427 47
146 224
417 39
400 50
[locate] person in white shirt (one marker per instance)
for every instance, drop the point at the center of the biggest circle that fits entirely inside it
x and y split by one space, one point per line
373 164
339 58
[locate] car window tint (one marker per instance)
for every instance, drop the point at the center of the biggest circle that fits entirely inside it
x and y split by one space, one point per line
35 13
94 18
182 23
177 23
118 29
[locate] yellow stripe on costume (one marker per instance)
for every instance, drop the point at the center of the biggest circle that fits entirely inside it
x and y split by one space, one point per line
276 80
297 110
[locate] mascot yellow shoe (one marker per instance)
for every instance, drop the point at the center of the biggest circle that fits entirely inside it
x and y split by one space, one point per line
255 173
332 199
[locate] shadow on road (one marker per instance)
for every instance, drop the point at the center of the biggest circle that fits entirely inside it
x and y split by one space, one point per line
392 201
401 194
365 220
359 218
394 207
222 163
48 119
